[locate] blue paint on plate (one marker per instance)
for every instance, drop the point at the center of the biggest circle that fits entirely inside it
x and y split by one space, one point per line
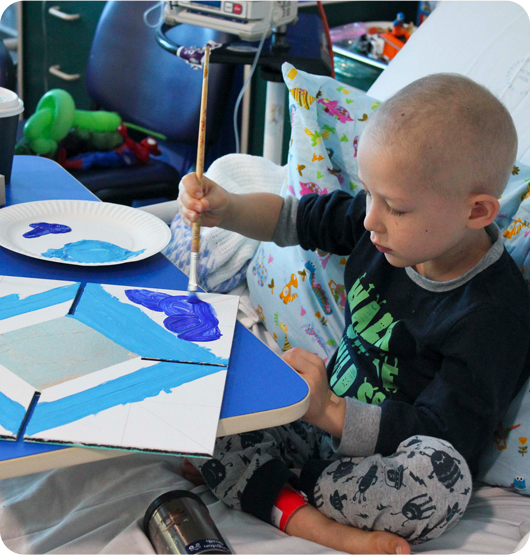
91 251
45 228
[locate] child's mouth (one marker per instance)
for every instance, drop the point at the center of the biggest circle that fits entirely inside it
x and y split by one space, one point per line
382 249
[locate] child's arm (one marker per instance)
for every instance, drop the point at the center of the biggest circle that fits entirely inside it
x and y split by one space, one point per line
254 215
326 410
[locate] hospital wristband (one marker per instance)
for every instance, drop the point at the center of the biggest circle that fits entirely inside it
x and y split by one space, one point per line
287 503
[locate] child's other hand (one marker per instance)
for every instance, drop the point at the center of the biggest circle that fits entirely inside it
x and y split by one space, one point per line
211 201
313 369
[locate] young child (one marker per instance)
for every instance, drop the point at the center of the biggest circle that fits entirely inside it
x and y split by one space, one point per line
437 326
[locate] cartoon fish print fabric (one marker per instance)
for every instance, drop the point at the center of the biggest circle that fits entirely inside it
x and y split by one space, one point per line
300 290
505 460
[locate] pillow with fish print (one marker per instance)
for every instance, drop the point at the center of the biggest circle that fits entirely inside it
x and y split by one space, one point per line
505 460
299 294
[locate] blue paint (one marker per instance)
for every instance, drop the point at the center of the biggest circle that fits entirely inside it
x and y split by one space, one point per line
91 251
12 305
190 318
132 388
45 228
131 328
11 414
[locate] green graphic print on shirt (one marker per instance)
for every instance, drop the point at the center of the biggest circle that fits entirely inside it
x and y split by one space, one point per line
370 323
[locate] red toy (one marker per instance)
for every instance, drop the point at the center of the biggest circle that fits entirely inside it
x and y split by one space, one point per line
130 153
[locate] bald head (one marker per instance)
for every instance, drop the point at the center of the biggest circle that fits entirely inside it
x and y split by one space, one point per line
448 125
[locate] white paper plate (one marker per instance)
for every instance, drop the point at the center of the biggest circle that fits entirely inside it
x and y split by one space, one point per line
101 233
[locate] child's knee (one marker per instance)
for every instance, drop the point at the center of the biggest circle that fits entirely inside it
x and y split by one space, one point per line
442 490
443 466
418 492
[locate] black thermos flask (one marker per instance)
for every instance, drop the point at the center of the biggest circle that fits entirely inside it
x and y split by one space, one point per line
178 522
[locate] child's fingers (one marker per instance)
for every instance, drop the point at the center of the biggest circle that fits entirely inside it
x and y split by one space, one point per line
192 186
301 357
190 202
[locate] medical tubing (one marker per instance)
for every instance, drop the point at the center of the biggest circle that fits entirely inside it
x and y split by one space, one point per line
160 18
252 69
324 19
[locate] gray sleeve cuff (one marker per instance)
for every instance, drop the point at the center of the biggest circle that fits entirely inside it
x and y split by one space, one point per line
285 233
361 429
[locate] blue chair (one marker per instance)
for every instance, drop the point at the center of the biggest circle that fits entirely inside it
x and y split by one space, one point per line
8 73
129 73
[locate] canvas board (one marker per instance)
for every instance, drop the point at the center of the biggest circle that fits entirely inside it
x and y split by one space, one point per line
16 396
27 301
139 405
122 367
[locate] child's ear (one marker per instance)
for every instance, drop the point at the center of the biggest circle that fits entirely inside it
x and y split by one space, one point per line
484 209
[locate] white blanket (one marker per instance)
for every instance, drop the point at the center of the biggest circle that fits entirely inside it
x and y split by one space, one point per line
98 508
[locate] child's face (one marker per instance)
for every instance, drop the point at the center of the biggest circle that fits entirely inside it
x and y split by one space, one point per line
407 219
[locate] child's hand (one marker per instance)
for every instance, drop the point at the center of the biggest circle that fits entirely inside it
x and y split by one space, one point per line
212 202
326 410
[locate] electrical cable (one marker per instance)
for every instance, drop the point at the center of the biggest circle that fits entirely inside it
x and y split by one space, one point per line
328 36
252 69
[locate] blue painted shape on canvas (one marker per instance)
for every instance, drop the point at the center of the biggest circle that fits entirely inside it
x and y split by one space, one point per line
12 305
45 228
189 317
12 414
135 387
130 327
91 251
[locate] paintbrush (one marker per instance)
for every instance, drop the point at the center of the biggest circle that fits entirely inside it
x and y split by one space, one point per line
196 226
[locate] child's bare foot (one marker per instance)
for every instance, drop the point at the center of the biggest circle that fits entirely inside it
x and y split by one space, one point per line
191 474
308 523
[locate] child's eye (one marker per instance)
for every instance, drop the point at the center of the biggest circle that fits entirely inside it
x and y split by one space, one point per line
395 212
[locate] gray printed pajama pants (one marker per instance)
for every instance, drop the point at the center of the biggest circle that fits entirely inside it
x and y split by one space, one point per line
418 492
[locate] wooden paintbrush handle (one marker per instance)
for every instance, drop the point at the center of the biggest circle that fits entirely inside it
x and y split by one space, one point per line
201 147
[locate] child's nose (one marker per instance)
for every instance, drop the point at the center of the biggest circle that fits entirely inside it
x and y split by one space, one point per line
372 221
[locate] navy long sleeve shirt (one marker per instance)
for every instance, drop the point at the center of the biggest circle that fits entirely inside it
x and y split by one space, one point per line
419 357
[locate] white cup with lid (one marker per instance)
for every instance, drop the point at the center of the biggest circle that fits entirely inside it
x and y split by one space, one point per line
10 104
10 109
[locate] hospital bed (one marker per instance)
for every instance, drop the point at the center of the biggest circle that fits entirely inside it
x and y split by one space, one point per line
98 507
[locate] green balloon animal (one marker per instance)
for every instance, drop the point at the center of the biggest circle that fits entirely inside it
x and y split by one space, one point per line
56 115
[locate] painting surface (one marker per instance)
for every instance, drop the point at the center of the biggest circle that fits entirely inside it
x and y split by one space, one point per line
119 367
25 302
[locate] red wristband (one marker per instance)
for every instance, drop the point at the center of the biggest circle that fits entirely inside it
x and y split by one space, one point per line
288 501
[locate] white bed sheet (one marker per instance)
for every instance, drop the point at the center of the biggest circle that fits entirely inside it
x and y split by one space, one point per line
98 507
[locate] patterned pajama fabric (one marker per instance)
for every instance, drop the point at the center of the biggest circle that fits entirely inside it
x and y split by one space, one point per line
418 492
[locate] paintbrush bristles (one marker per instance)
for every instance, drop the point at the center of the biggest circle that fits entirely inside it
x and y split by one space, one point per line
196 226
